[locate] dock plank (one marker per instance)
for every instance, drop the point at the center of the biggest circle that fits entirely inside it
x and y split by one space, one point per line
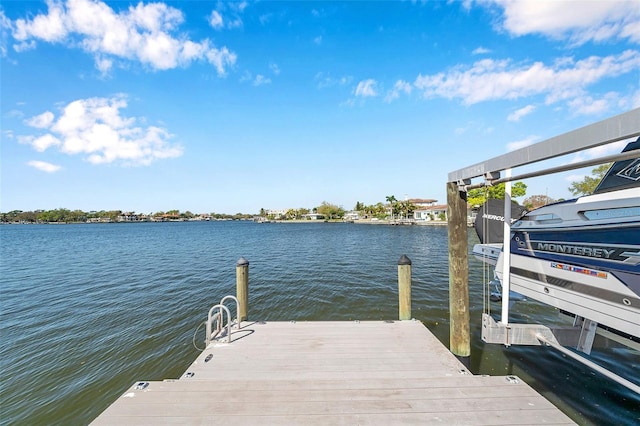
369 373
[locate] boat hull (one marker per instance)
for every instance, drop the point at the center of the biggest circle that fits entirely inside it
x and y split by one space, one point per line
586 292
583 257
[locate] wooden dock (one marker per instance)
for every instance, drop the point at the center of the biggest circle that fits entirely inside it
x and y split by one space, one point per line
331 373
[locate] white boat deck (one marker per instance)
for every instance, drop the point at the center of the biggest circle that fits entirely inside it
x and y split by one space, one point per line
331 373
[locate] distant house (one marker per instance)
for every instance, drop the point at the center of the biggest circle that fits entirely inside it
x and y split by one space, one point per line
276 214
422 202
129 217
313 216
99 220
432 212
351 216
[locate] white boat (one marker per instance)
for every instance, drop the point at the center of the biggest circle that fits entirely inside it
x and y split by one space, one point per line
582 256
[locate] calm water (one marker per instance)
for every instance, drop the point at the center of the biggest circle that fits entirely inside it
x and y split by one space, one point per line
88 309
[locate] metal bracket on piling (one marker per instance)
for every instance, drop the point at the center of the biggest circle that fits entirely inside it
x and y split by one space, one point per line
462 184
489 177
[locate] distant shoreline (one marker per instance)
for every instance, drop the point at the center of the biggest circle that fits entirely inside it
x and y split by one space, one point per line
360 221
366 222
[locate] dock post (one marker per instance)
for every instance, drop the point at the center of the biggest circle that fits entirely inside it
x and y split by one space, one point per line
404 287
460 339
242 288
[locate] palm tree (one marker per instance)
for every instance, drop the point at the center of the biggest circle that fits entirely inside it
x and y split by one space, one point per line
392 202
408 207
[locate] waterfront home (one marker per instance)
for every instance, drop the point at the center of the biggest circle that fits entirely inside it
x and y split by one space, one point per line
432 212
422 202
313 216
352 215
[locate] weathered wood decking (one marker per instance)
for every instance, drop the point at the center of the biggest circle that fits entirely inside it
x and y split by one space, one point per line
331 373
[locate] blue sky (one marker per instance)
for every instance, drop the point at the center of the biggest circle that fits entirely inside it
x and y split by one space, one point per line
236 106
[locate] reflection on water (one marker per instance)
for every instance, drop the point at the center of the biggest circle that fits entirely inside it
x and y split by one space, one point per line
88 309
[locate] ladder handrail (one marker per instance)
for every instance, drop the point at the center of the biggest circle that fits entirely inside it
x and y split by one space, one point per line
209 322
237 307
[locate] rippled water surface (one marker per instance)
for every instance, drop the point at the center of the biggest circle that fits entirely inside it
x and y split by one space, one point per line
88 309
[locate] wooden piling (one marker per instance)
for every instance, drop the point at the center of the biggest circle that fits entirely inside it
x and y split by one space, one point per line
404 287
460 339
242 287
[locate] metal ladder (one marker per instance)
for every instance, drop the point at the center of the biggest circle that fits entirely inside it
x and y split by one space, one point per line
216 314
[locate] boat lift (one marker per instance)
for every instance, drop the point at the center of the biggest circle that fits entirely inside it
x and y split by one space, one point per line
582 333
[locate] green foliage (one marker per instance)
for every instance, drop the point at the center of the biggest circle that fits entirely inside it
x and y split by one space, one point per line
330 211
394 204
536 201
295 214
587 185
477 197
374 210
405 208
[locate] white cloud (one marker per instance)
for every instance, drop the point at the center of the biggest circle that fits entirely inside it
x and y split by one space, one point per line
480 51
235 23
578 21
575 177
41 121
586 105
144 33
51 27
5 29
239 6
274 69
366 88
260 80
232 15
599 151
401 86
43 142
8 134
215 20
318 40
246 76
325 80
96 129
266 18
15 113
103 65
512 146
490 79
518 114
221 59
44 166
474 127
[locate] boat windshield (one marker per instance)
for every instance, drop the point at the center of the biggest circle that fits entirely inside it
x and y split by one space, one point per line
623 174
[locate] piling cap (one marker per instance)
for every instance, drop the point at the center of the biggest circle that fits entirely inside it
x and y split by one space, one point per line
242 262
404 260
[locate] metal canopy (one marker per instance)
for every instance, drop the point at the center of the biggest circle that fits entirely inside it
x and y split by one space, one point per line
619 127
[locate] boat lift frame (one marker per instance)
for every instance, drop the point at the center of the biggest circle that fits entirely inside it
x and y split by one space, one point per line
581 335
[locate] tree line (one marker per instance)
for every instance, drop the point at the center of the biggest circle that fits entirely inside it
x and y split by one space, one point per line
586 186
63 215
397 209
